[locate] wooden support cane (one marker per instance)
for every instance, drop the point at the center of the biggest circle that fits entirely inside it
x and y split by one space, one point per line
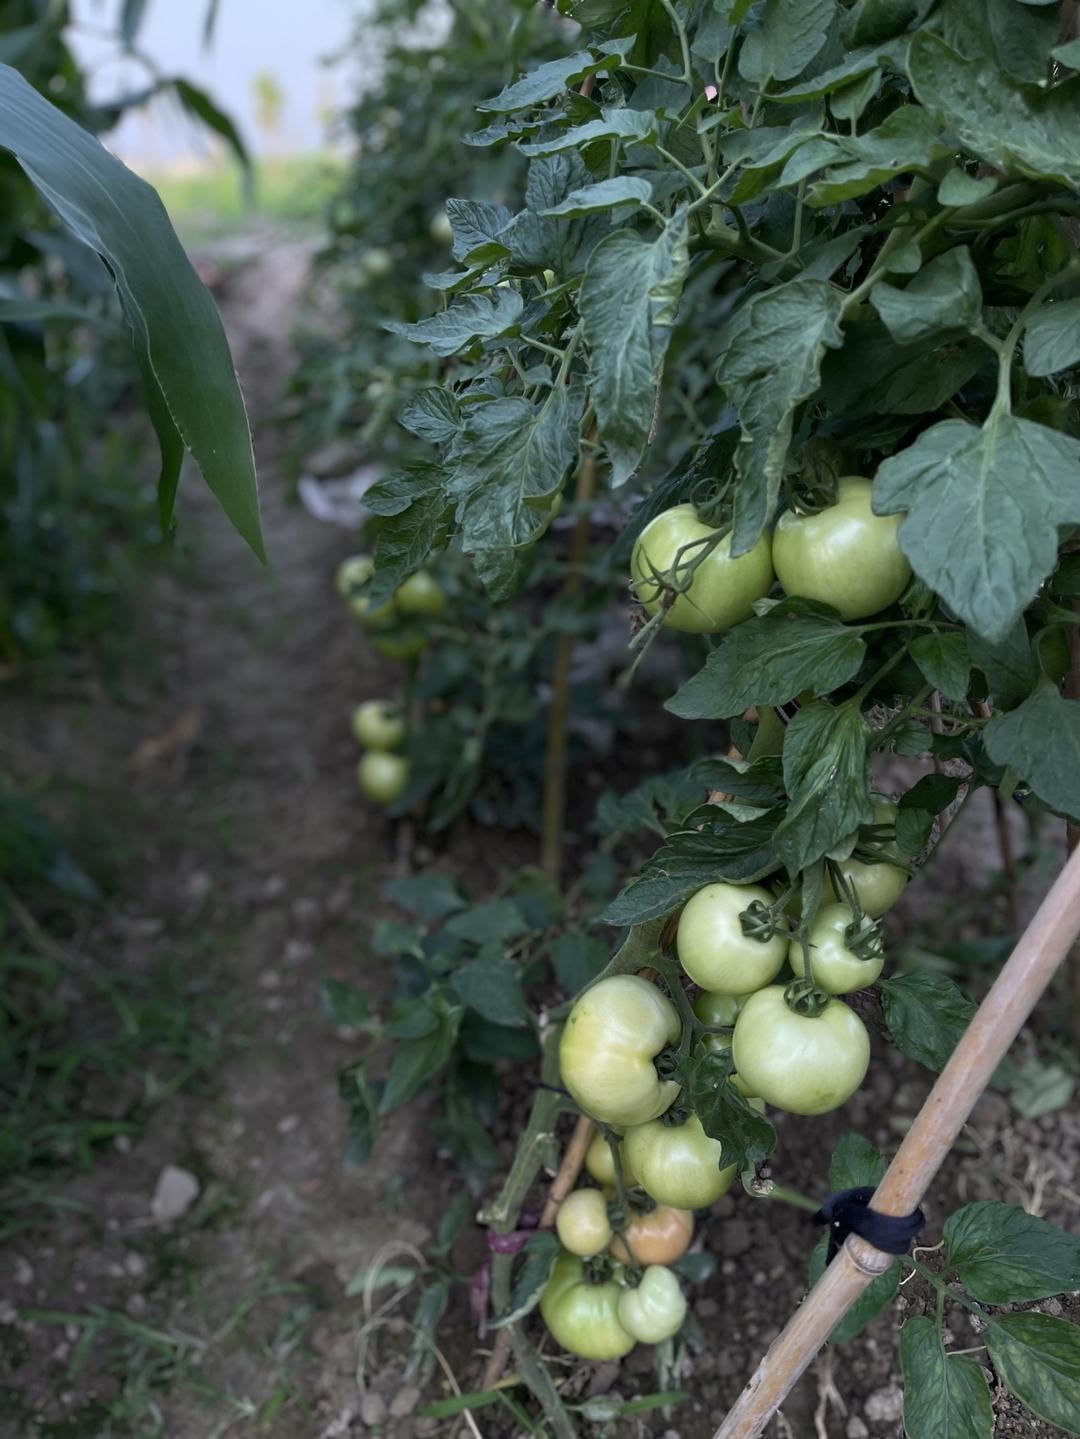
1041 949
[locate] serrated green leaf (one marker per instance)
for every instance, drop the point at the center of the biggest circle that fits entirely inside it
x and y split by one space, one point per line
872 22
492 986
1019 130
637 127
469 318
551 79
541 1252
603 195
945 661
540 241
1038 1358
477 226
192 391
855 1163
873 375
1040 741
944 1394
433 415
856 66
746 1137
416 1061
577 959
905 140
1016 38
344 1003
827 779
1003 1255
1052 338
791 34
628 301
960 479
926 1014
769 357
920 807
1009 664
960 188
491 923
1041 1089
738 851
944 295
769 660
507 463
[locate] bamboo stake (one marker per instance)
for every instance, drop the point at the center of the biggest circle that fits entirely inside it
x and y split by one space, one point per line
1039 952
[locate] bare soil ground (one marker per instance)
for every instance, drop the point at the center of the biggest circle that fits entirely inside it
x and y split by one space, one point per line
218 790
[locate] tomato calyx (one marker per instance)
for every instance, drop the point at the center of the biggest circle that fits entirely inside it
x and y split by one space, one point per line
667 1062
677 1115
598 1269
711 498
763 921
865 938
802 996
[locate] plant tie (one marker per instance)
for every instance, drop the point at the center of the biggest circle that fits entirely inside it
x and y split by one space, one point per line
848 1212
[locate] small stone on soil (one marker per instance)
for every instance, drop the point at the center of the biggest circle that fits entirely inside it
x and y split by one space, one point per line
885 1405
372 1409
177 1190
404 1401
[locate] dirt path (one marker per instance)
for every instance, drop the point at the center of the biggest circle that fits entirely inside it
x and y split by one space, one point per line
249 860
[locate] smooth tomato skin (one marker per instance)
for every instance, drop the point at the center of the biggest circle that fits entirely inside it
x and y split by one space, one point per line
440 228
420 594
844 556
802 1065
600 1164
353 574
879 886
383 776
584 1318
606 1052
712 1008
400 643
659 1237
655 1310
723 589
836 970
678 1164
377 724
713 950
582 1223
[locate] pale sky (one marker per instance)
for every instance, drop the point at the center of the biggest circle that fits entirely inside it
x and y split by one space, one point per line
286 39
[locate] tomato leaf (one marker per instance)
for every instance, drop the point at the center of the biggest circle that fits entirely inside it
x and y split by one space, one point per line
576 959
492 986
926 1014
768 660
945 661
768 361
433 415
604 195
1009 664
1019 130
960 479
416 1061
907 139
726 848
193 394
636 127
359 1099
543 236
547 81
469 318
758 783
855 1163
873 375
1003 1255
628 301
1016 38
943 1393
746 1137
944 295
1052 338
791 34
827 780
1038 1358
1040 741
920 807
506 465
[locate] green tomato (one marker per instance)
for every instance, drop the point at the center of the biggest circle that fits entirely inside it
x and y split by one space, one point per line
376 264
420 594
378 724
582 1223
835 969
722 591
802 1064
606 1053
403 642
713 950
655 1310
716 1008
844 556
440 228
584 1318
383 776
678 1164
353 574
600 1164
878 886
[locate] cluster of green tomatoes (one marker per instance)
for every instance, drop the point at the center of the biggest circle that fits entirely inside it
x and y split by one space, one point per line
399 630
770 995
842 555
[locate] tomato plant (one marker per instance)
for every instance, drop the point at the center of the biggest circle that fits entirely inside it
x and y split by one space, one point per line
787 289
